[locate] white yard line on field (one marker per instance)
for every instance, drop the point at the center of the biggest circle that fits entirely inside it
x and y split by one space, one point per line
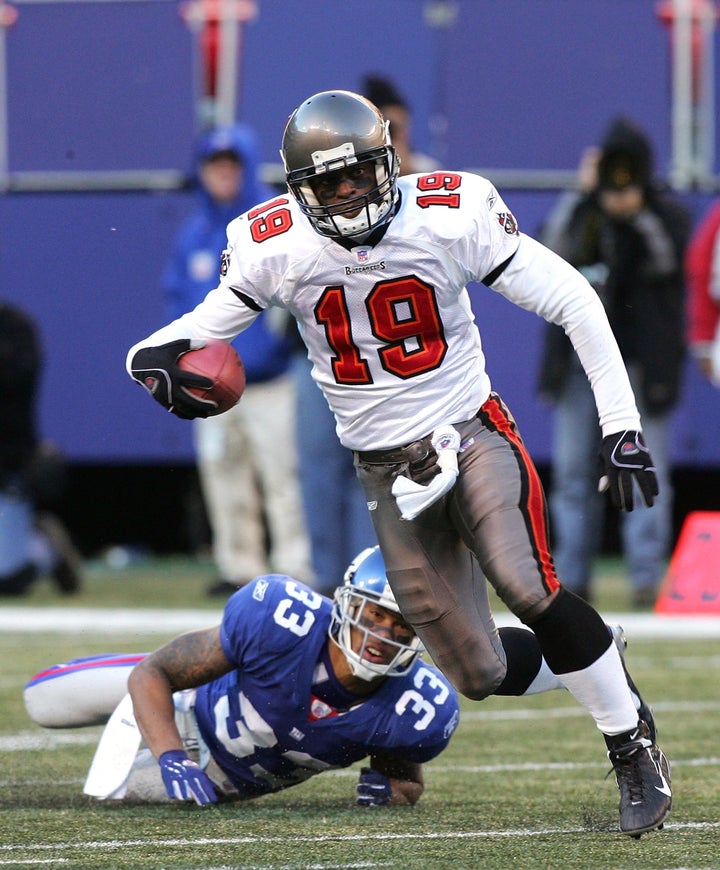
101 620
341 838
41 741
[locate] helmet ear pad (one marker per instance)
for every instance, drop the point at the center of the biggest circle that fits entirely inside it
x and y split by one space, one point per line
329 131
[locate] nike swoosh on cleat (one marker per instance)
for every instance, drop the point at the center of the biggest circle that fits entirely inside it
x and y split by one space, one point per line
665 787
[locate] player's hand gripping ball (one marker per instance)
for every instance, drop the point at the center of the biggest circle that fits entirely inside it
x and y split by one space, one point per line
220 362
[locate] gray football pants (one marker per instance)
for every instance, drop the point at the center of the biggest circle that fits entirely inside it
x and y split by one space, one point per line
496 511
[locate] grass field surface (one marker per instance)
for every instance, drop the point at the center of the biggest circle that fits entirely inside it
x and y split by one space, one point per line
523 781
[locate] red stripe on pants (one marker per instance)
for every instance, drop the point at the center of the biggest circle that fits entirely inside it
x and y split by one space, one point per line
497 417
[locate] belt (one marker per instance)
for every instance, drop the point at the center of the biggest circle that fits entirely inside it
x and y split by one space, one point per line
416 451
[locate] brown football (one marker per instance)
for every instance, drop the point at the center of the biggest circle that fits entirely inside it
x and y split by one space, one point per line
220 362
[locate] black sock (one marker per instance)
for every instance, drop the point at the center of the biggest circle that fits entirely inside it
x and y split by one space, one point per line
571 634
524 658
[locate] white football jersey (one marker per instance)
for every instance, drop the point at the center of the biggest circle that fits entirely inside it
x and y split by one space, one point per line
389 329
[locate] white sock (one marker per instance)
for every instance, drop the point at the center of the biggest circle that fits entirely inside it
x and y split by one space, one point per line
545 681
603 690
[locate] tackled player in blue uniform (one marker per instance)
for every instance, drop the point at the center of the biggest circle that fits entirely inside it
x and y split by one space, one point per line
288 692
288 686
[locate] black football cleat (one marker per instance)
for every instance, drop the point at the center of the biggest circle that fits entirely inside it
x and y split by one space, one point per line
643 777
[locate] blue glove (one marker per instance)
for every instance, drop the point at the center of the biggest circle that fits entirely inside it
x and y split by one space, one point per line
156 369
625 457
185 780
373 789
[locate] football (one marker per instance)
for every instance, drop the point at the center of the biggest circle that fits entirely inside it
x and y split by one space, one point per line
220 362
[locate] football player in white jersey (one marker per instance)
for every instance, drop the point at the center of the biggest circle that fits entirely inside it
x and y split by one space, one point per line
374 268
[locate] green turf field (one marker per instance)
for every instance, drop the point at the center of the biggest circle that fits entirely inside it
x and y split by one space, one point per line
523 781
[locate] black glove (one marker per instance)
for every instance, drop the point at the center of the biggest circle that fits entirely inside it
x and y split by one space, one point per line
157 370
624 457
374 789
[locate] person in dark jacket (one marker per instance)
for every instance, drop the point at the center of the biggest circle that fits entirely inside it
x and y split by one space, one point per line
33 541
247 456
627 234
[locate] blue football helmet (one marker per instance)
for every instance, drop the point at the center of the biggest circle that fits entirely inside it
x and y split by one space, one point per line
365 582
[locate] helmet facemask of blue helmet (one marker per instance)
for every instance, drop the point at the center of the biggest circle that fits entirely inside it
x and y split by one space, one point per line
383 651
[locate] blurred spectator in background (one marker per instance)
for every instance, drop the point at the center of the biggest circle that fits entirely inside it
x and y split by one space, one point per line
33 542
394 108
628 236
247 457
702 267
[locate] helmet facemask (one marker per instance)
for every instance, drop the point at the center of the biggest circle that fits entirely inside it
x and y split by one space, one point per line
358 216
332 131
366 587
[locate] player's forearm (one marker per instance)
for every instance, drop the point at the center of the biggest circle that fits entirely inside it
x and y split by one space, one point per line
221 315
405 792
154 710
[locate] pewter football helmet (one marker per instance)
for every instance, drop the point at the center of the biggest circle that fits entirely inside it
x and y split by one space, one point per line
365 583
329 131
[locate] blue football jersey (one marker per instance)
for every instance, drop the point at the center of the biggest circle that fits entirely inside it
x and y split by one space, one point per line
261 722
